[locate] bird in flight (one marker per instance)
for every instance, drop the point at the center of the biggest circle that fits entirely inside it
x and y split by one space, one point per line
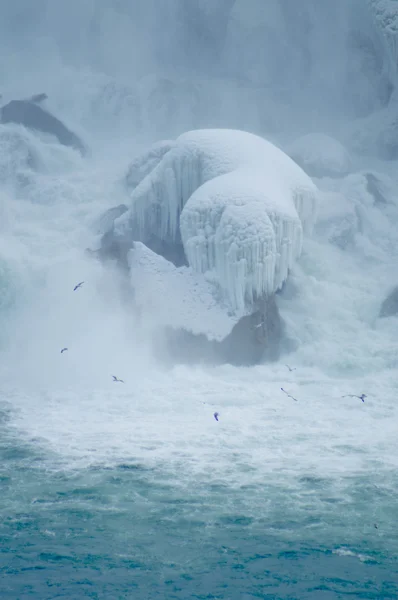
63 350
216 416
77 286
117 380
290 368
288 395
361 397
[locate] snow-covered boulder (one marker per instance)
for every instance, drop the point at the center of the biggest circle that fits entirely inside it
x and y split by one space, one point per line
320 155
188 321
234 203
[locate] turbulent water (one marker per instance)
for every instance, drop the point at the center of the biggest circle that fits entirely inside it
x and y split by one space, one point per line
134 490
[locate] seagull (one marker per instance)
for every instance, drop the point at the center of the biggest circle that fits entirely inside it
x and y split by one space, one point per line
290 368
216 416
289 396
63 350
259 325
361 397
77 286
117 380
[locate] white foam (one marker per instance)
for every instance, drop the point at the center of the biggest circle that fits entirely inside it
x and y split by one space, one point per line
69 404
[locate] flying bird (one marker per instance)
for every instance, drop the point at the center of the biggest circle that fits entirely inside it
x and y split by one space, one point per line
77 286
63 350
216 416
288 395
361 397
290 368
117 380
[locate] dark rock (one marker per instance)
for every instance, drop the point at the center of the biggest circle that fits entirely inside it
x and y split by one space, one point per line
255 339
31 115
389 308
113 248
373 186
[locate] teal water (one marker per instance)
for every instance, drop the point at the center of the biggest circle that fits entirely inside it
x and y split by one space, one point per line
128 531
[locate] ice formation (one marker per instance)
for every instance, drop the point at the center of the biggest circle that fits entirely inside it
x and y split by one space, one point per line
320 155
145 163
238 204
248 235
177 296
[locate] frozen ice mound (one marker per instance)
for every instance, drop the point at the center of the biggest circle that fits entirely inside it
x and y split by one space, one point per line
237 204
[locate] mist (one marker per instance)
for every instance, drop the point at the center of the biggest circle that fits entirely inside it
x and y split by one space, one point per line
162 68
140 476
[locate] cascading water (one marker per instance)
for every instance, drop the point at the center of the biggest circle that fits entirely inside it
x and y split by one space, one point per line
134 490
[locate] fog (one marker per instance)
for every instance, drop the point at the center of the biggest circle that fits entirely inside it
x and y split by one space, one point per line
276 67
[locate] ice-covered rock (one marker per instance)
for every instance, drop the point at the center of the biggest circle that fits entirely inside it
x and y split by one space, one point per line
320 155
177 296
233 202
145 163
188 321
247 234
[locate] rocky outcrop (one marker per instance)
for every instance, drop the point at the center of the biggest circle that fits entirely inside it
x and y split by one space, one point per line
375 188
389 308
255 339
30 114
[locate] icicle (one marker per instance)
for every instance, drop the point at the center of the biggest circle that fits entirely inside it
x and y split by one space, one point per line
239 204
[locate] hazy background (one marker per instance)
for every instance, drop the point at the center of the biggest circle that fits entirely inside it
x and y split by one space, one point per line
165 66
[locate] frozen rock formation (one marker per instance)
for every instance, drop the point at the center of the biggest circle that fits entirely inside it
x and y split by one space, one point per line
231 202
215 223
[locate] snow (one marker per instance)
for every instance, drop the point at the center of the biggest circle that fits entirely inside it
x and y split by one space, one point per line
176 297
196 181
320 155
